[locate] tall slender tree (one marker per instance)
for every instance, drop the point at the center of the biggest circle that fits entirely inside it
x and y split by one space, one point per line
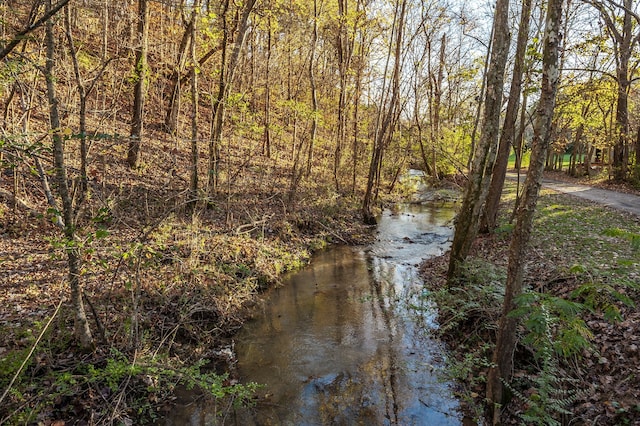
195 99
314 89
81 324
505 345
467 220
344 43
507 136
171 118
388 113
228 66
141 73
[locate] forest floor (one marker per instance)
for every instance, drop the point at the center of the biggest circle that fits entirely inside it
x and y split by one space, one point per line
584 282
166 284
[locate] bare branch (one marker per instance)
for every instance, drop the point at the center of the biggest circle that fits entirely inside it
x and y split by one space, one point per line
20 35
594 70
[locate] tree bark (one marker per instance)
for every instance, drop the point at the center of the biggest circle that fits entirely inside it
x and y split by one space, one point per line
266 146
468 218
194 102
171 118
227 71
620 160
141 73
356 109
345 50
505 345
518 145
314 89
507 136
384 130
81 324
82 95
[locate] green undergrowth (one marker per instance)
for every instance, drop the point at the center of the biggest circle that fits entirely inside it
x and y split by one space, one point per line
583 267
163 309
132 391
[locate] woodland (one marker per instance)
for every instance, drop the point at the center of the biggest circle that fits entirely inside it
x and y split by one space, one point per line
162 162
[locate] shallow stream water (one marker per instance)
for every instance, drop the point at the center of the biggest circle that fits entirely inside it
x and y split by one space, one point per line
347 339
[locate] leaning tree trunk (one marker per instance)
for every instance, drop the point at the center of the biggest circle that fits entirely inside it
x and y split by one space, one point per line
81 324
468 218
384 132
509 126
505 345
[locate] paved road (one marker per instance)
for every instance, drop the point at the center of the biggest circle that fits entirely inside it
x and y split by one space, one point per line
617 200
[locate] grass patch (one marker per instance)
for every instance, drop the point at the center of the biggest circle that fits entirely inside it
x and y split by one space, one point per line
526 158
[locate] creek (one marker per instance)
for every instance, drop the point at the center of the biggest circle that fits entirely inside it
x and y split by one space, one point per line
347 339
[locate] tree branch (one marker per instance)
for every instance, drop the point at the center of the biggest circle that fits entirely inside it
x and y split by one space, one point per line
20 35
593 70
627 10
608 21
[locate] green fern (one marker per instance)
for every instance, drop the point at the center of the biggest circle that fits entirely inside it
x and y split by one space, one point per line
554 393
544 314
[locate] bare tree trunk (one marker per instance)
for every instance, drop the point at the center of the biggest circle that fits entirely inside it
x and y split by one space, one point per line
81 324
589 152
194 101
518 145
467 220
314 90
389 119
507 136
141 72
436 101
577 150
105 30
620 160
217 114
356 111
82 94
481 95
505 345
266 147
345 50
171 118
227 71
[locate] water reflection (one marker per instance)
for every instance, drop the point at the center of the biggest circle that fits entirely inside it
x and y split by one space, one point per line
346 340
